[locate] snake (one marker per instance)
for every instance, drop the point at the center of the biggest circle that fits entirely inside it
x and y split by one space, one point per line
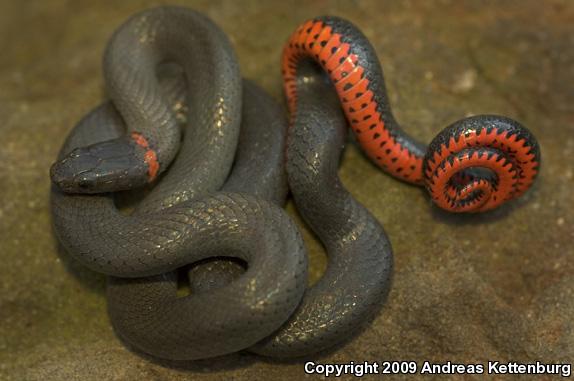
218 182
473 165
212 155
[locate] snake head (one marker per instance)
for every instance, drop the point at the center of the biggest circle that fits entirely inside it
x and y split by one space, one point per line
108 166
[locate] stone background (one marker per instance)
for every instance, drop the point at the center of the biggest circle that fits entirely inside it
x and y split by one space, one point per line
466 288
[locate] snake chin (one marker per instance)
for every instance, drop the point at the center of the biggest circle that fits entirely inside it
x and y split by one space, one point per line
104 167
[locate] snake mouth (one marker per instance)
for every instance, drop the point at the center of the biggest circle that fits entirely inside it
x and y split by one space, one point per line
68 180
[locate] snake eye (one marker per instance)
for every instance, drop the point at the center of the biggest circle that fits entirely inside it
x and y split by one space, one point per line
84 183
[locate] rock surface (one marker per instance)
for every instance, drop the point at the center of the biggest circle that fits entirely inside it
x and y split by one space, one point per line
466 288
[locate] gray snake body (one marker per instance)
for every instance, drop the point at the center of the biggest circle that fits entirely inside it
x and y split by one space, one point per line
207 205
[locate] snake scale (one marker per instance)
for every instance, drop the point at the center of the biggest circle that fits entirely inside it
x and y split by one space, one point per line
216 156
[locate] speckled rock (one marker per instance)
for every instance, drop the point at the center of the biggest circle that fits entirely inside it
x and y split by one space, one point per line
466 288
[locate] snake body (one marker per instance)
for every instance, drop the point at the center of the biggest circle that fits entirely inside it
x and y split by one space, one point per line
243 308
205 205
358 274
473 165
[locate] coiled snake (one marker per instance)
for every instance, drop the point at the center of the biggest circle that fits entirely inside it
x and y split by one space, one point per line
171 67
